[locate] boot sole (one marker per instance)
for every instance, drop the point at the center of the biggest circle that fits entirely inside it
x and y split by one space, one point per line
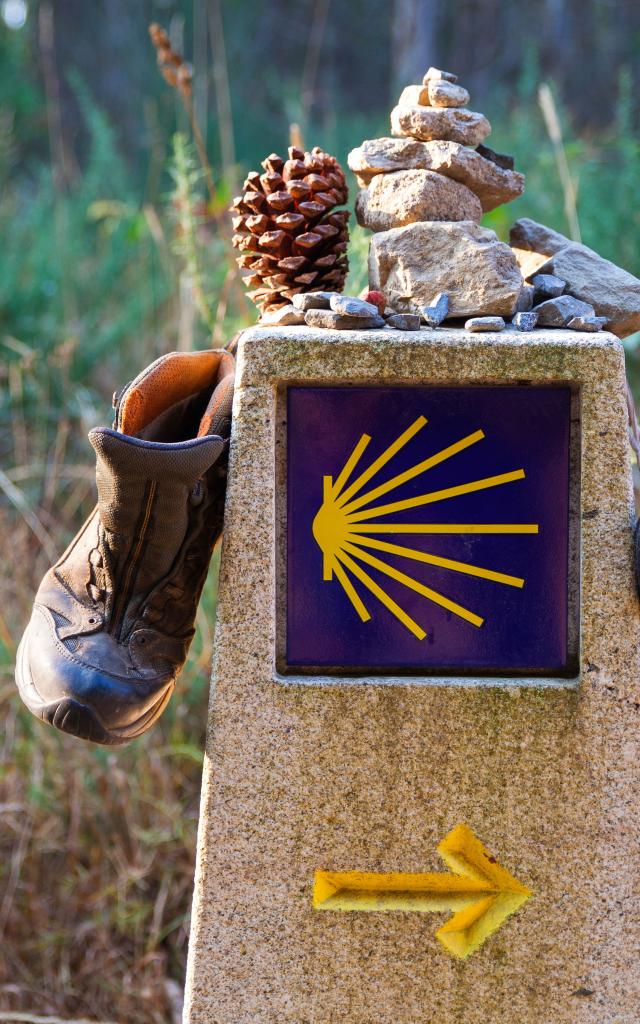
76 719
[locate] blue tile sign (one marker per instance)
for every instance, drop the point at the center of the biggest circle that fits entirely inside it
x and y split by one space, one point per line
428 530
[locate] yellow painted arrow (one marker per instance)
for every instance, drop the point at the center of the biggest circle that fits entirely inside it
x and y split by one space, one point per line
482 893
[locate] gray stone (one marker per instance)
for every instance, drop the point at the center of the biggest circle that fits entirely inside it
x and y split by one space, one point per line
591 324
477 271
285 316
313 300
525 299
547 286
528 234
613 292
436 75
348 305
404 321
558 312
492 184
425 123
414 96
330 320
525 321
446 94
434 314
502 160
404 197
479 324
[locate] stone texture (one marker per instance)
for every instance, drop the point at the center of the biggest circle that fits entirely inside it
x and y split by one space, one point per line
558 312
482 324
304 776
525 298
613 292
446 94
547 286
313 300
525 321
502 160
434 314
414 96
330 320
404 321
530 263
492 184
348 305
587 323
285 316
405 197
464 126
436 75
528 234
412 264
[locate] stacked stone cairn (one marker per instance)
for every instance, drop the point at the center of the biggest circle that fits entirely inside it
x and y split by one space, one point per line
423 193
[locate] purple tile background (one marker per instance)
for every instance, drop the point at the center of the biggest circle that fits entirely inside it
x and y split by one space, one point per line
524 630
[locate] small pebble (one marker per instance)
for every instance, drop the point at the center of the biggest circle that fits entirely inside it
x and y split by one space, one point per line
484 323
312 300
285 316
446 94
525 299
499 159
547 286
525 321
558 312
331 320
434 314
436 75
347 305
404 321
591 324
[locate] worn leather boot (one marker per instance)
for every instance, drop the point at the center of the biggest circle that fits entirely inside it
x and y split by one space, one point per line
113 619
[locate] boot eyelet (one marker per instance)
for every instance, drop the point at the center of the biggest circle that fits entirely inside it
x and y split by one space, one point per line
197 493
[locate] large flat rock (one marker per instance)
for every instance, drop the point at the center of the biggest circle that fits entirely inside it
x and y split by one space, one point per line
613 292
462 125
411 265
493 185
406 197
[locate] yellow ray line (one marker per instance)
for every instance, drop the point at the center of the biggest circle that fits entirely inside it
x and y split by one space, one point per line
351 591
444 528
448 492
412 584
350 465
382 460
409 474
444 563
378 592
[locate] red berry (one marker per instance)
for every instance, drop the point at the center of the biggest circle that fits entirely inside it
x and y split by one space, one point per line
376 299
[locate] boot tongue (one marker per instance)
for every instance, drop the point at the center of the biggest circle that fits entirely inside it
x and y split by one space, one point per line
135 461
144 489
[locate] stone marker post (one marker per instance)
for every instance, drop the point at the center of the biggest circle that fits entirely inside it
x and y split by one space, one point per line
420 797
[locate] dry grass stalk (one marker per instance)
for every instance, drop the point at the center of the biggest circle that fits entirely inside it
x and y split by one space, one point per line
178 74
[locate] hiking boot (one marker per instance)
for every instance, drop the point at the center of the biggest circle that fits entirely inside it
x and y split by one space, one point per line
113 619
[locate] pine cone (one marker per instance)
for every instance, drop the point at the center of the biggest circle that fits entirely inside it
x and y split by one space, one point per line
290 236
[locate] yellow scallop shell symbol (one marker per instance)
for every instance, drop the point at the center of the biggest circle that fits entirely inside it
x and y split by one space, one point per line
347 530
